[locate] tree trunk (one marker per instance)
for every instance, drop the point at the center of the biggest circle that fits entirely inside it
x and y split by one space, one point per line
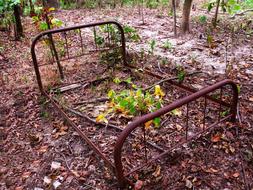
185 27
18 24
174 17
216 14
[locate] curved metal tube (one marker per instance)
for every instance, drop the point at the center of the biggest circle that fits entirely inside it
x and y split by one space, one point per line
178 103
53 31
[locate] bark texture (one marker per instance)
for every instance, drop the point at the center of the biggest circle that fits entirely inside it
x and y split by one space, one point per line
185 27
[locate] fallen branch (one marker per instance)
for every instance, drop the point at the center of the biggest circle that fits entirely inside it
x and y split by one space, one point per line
103 99
241 13
78 85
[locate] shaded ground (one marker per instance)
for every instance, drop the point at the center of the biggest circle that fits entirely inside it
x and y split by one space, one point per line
34 139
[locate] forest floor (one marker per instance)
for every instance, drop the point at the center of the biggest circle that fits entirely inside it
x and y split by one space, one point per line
38 151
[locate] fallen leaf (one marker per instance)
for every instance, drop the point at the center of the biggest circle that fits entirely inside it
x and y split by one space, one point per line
176 112
157 171
101 118
236 175
232 149
55 165
148 124
216 138
56 184
138 185
38 188
158 91
26 175
43 149
47 180
19 188
75 173
188 183
211 170
179 127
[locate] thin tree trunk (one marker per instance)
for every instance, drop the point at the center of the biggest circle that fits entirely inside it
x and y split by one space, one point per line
216 14
185 27
142 12
18 24
174 17
32 11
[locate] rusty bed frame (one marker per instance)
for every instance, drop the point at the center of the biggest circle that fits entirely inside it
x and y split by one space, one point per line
117 166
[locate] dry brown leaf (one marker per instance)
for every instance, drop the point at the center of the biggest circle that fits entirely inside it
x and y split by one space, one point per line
211 170
236 175
138 185
75 173
216 138
148 124
157 171
179 127
26 175
19 188
43 149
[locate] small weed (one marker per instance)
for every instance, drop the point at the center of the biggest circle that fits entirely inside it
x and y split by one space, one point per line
152 4
180 73
111 57
152 45
44 114
167 45
224 113
164 61
1 49
142 53
202 19
131 33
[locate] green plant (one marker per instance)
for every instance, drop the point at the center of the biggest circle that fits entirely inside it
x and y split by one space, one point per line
40 19
202 19
152 4
231 6
131 33
111 57
1 49
180 73
167 45
152 45
132 103
6 12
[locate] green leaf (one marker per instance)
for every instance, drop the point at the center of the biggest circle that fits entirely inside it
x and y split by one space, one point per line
128 81
157 122
210 6
111 94
176 112
56 22
116 80
43 26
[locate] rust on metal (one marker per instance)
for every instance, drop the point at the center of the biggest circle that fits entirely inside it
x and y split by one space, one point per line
128 131
176 104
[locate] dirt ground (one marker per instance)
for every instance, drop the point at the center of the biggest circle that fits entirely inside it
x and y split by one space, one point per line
39 151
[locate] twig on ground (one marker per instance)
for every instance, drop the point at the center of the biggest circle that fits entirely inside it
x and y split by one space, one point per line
91 101
241 13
